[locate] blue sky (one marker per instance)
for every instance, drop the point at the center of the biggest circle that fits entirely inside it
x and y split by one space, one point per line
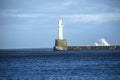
33 23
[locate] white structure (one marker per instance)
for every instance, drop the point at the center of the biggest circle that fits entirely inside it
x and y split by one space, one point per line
60 30
96 44
102 42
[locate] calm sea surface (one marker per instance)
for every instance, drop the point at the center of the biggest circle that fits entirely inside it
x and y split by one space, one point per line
59 65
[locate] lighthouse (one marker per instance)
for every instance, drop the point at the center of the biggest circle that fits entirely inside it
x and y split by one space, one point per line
60 29
60 43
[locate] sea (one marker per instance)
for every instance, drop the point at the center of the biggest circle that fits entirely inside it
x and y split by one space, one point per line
46 64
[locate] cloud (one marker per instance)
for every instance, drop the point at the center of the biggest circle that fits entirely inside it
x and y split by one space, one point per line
57 6
41 10
92 18
74 18
18 14
33 15
67 3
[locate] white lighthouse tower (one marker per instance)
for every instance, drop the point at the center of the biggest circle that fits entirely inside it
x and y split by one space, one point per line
60 30
60 43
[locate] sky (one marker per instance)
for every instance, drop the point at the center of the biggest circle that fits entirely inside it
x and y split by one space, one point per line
33 23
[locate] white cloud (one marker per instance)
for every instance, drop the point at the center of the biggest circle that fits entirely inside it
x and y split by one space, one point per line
67 3
74 18
21 15
34 15
92 18
57 6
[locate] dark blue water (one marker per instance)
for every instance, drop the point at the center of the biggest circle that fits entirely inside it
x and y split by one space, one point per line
59 65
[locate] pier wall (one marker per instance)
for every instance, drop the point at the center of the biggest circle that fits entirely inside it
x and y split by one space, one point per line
93 48
62 45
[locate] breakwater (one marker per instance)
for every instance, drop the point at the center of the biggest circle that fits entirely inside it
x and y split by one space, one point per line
71 48
93 48
62 45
